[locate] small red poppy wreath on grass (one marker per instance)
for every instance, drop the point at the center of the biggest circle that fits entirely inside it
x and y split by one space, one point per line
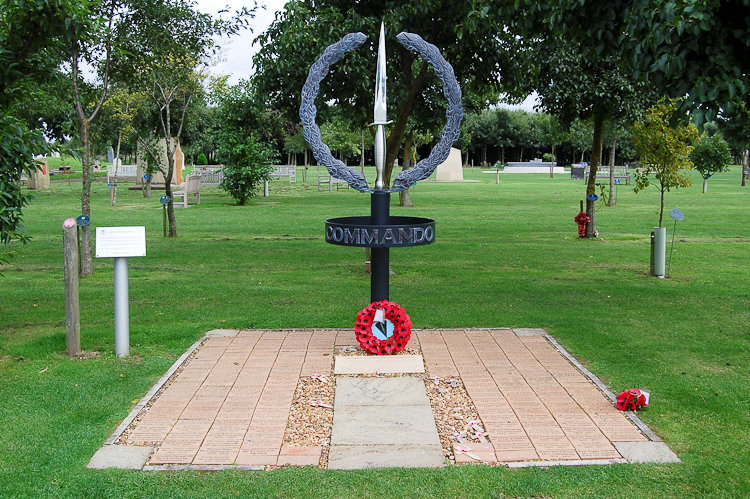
391 344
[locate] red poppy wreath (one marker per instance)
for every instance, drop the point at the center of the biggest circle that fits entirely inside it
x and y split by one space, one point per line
381 341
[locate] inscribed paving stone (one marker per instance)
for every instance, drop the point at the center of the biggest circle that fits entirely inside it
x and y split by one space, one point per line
371 425
120 456
383 422
357 457
386 391
378 364
646 452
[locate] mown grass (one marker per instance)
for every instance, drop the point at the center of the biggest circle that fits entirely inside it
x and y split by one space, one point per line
506 255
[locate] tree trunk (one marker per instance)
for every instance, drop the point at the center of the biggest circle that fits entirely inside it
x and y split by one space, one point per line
595 161
394 141
117 161
705 185
362 152
611 201
87 265
403 197
745 164
661 207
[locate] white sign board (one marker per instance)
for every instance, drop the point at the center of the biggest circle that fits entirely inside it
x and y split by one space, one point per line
120 242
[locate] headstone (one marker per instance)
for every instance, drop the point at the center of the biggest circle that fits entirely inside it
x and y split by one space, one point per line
450 170
157 179
39 179
110 155
179 164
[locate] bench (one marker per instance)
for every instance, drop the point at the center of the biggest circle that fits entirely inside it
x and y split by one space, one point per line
603 172
210 174
288 171
191 187
330 181
123 171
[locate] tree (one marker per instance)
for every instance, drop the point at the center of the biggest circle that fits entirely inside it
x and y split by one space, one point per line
573 58
247 164
123 106
90 41
735 127
33 35
166 46
247 139
710 156
693 50
663 150
305 28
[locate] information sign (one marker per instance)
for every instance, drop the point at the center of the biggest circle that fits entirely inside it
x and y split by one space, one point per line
164 199
120 242
83 220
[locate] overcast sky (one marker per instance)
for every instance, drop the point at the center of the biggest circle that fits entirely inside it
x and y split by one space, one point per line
238 51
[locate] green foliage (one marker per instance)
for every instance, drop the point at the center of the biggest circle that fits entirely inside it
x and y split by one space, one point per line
247 164
245 139
342 136
549 158
663 150
695 51
201 160
711 155
18 146
303 30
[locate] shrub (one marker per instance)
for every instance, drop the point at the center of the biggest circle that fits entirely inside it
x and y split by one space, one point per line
247 164
202 160
711 155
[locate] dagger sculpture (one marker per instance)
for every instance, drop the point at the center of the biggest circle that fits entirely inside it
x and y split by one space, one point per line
379 113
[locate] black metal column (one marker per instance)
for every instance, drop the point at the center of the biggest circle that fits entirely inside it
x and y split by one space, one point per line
380 264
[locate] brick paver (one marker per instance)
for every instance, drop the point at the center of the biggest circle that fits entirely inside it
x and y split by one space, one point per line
230 403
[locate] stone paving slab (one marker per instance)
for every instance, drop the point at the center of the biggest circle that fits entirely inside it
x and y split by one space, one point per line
128 457
382 422
646 452
228 406
375 424
396 364
388 391
357 457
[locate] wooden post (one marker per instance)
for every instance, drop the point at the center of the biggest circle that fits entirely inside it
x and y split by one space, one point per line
72 304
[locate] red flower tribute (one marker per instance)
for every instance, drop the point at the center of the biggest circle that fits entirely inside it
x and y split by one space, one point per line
401 328
582 219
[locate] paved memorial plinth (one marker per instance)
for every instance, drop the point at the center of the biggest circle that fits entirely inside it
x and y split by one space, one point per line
383 422
229 398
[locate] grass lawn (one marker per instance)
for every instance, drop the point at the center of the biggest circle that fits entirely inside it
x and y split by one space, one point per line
505 256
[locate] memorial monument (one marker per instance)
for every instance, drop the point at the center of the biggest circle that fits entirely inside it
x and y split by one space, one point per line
380 231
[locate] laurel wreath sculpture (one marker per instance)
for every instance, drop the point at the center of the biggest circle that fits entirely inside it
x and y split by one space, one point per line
424 168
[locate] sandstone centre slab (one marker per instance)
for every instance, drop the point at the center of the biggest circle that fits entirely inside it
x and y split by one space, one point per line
393 364
376 391
357 457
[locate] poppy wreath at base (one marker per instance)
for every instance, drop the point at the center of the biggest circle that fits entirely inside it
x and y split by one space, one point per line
401 328
582 219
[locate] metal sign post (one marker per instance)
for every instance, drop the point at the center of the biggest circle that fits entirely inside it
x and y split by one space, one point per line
164 200
676 214
121 243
